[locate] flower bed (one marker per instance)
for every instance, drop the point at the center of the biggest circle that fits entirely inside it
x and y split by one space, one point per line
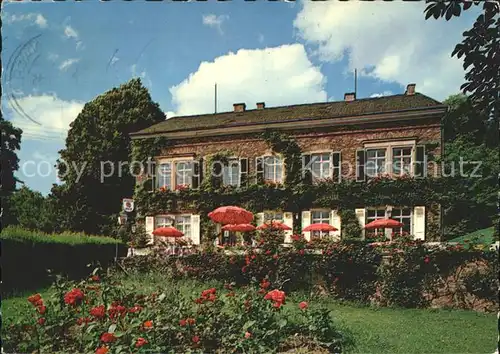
102 316
401 273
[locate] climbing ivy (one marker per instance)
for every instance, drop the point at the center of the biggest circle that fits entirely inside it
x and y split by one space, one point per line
296 194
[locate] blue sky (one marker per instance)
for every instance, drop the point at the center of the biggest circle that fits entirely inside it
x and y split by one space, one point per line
277 52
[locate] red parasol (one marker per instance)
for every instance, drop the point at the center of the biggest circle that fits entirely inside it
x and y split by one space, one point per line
238 227
320 227
384 224
274 225
231 215
167 232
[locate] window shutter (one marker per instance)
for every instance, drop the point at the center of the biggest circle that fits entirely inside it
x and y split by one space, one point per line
336 164
306 221
243 172
306 169
335 220
150 226
360 214
360 165
151 180
419 223
197 173
420 162
288 221
195 229
216 174
259 168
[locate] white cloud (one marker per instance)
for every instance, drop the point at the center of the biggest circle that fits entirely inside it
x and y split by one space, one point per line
53 56
389 41
79 45
381 94
34 18
214 21
114 60
70 32
279 76
53 114
67 63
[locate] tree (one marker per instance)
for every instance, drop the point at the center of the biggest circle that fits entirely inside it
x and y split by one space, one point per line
11 142
98 144
32 210
470 137
480 48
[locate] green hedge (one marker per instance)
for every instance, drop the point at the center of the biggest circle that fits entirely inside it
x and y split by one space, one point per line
27 256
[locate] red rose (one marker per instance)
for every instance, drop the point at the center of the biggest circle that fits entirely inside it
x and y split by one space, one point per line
303 305
195 339
42 309
41 321
140 342
98 312
108 337
135 309
102 350
182 323
34 298
248 335
148 324
73 297
212 298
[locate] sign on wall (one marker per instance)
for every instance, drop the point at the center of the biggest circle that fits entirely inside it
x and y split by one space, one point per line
128 205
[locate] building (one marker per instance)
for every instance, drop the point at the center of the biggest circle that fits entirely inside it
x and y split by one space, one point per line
350 140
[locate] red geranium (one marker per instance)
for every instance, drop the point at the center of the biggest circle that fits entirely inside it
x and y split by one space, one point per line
248 335
41 321
191 321
427 259
195 339
182 323
73 297
303 305
98 312
264 284
83 320
140 342
116 311
108 337
277 296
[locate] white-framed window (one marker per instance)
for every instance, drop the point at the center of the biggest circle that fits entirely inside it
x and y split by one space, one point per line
403 215
321 166
320 217
180 222
375 162
373 214
165 175
273 216
183 173
401 160
273 169
231 173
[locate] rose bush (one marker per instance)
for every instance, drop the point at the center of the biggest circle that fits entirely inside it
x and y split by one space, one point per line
101 315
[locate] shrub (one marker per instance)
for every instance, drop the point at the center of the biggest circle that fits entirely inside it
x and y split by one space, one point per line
101 315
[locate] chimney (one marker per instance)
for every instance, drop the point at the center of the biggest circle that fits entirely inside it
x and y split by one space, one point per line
350 96
410 89
261 105
239 107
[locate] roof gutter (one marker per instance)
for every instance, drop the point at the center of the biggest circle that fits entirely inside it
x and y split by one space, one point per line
243 128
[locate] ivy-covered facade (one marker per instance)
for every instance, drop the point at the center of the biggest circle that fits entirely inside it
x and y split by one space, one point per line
343 163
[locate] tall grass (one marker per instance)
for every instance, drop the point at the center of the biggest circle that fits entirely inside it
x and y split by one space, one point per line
19 234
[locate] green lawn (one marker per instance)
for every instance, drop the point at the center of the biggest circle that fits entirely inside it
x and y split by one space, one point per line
484 236
375 330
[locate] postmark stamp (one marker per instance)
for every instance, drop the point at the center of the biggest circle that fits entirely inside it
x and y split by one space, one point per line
21 74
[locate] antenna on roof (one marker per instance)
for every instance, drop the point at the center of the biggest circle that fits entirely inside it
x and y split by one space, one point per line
355 82
215 101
